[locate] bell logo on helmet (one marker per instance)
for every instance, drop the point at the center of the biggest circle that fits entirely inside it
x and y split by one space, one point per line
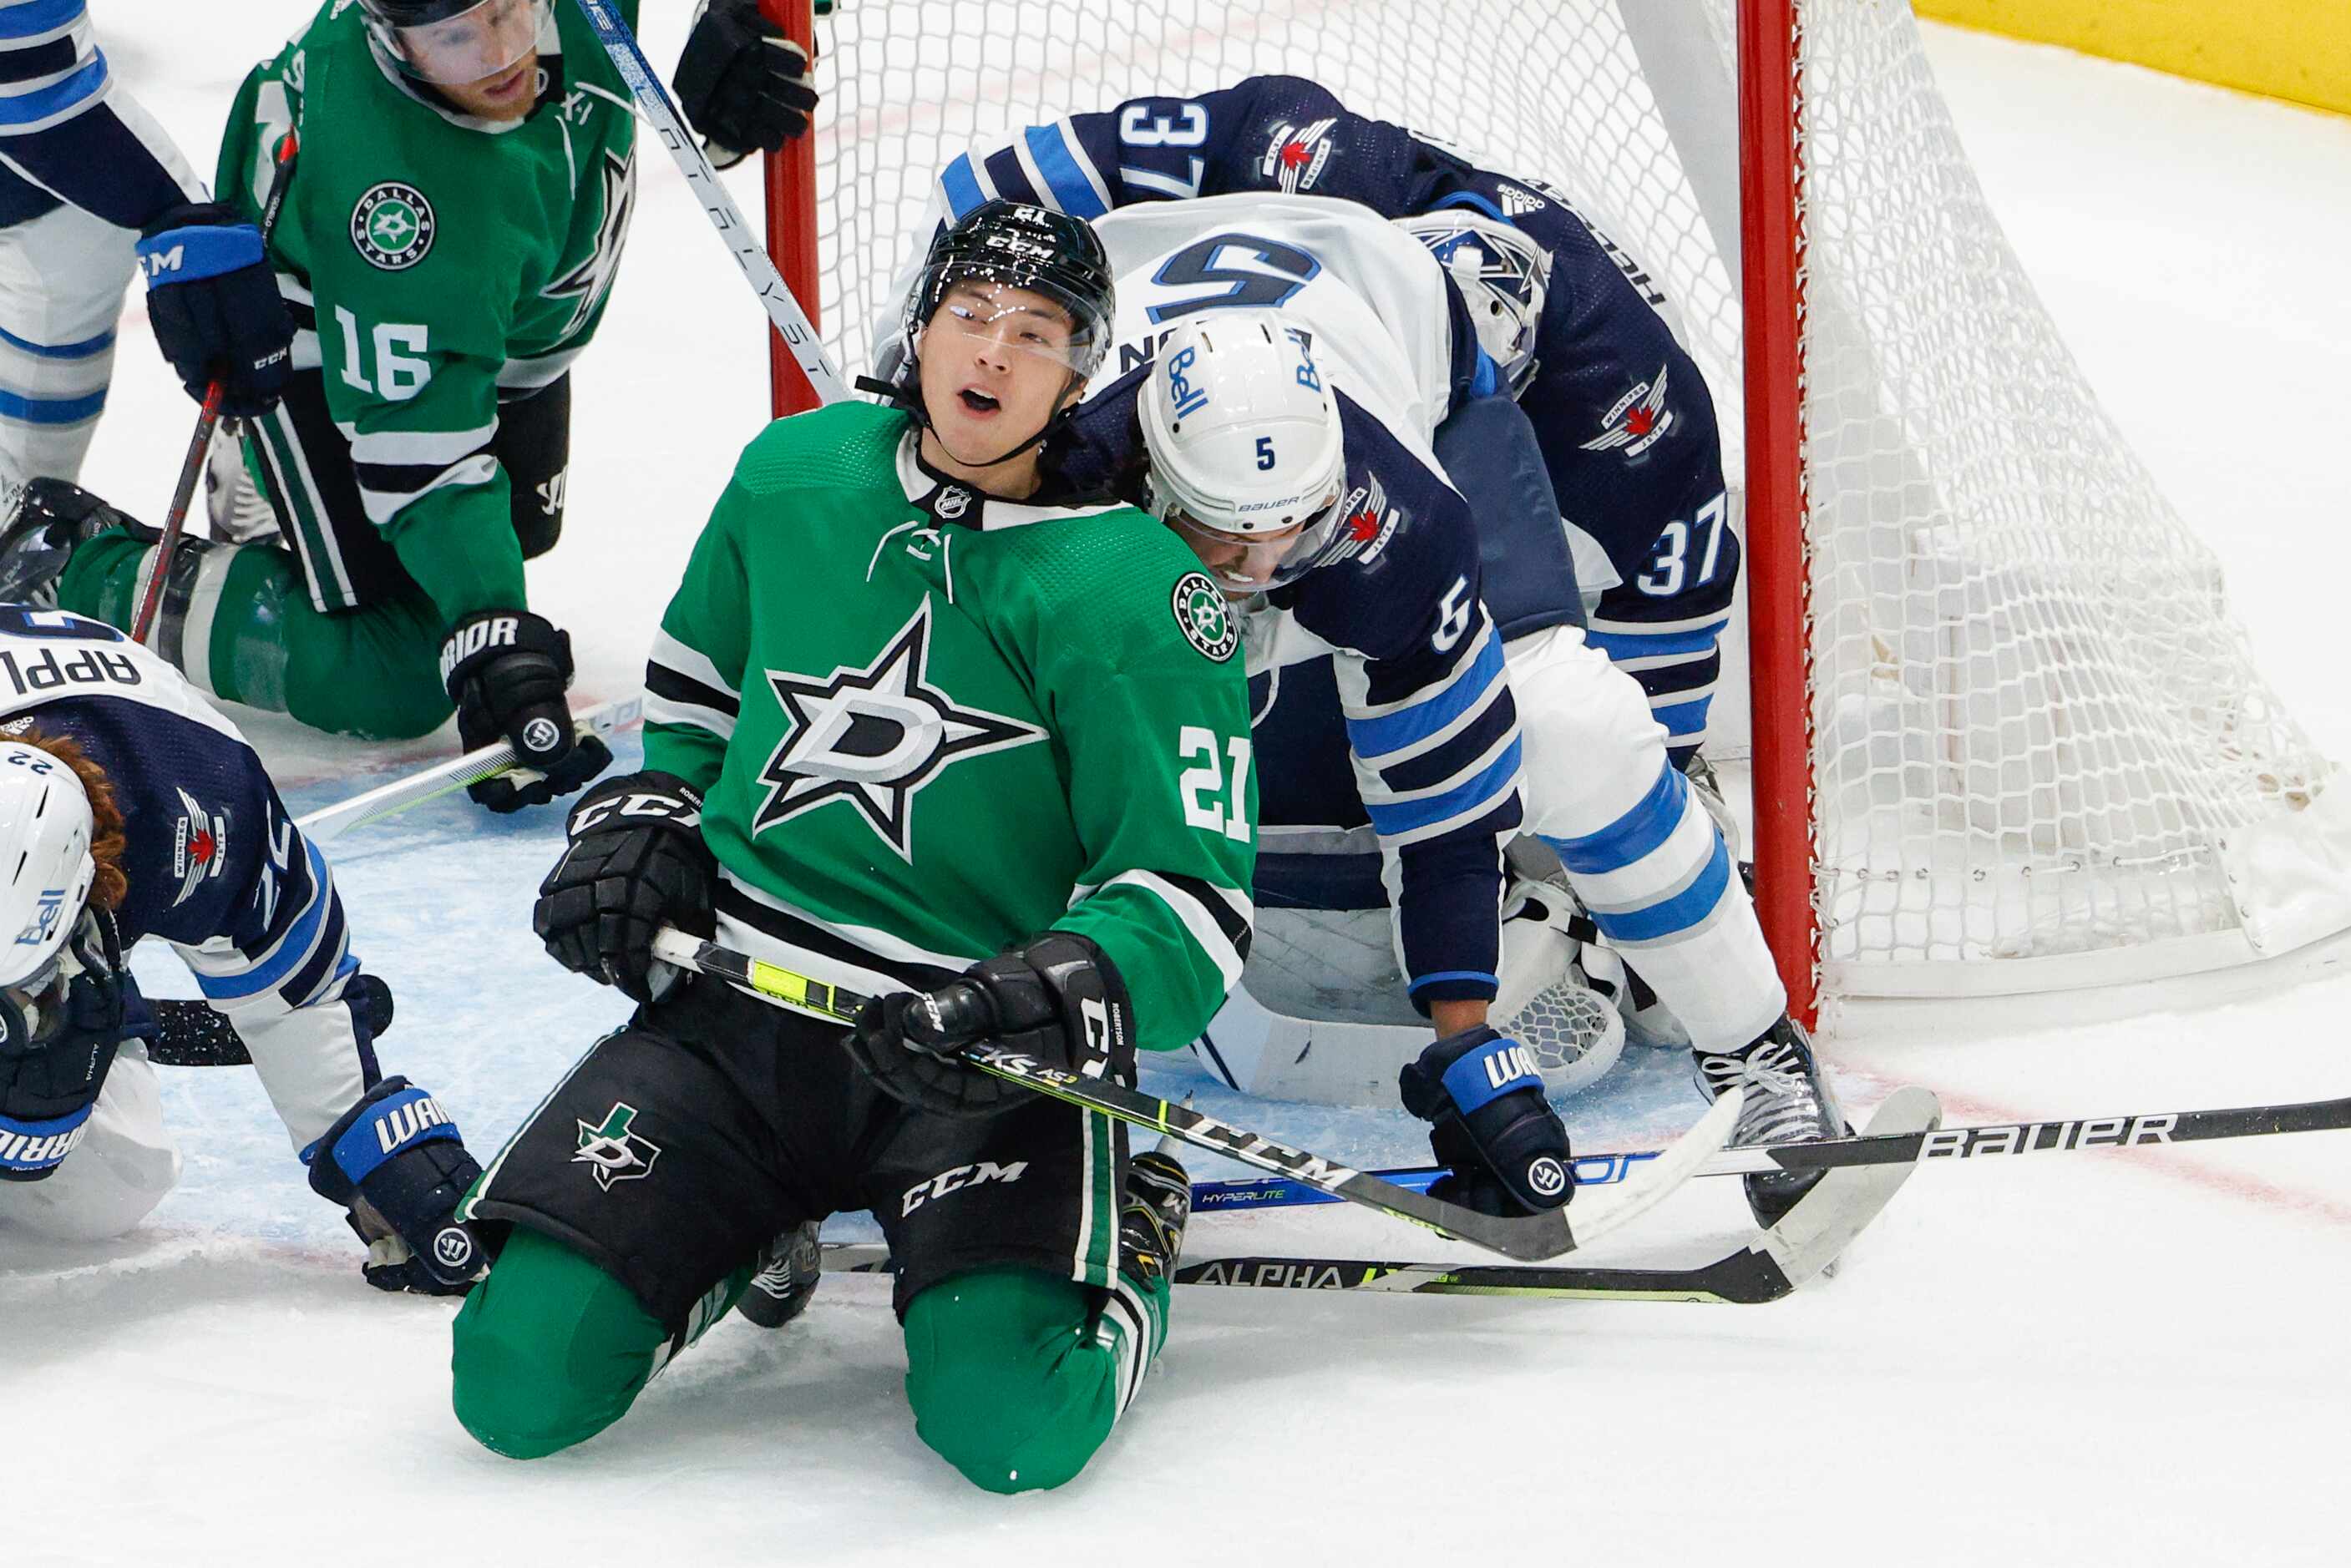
1181 394
44 923
1208 625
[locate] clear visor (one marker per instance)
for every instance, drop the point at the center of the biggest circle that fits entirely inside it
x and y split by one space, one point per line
1247 564
40 999
1004 321
486 40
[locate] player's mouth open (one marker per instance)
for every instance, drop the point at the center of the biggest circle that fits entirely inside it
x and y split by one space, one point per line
508 85
977 401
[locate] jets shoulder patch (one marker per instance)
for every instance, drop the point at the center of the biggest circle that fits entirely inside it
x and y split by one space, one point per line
1208 623
392 225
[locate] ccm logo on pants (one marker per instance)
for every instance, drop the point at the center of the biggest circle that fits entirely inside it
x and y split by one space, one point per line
957 1180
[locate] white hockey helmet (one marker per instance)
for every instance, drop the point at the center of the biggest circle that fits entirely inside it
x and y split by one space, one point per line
1503 276
45 826
1247 462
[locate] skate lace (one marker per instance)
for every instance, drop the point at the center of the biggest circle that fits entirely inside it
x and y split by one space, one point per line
1781 1106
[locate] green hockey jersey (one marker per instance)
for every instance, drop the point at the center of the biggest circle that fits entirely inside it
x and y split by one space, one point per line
431 260
928 723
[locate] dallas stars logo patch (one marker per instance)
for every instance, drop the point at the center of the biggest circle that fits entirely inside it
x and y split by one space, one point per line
875 737
612 1152
1206 624
393 226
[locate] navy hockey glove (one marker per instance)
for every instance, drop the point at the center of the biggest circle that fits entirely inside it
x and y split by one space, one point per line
213 302
395 1161
741 82
1505 1149
507 671
636 863
1057 998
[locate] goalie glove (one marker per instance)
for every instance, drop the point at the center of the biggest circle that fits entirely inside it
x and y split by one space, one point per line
395 1162
1505 1149
1057 999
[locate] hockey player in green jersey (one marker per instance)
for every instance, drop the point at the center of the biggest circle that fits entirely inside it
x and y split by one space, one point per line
454 217
904 724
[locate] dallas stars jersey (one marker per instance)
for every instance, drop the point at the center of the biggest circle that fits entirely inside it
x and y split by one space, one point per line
431 260
928 723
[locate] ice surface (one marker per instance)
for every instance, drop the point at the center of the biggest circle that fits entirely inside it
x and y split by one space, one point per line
2088 1359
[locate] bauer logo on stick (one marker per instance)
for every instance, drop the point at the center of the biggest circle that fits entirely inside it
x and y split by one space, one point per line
392 225
1200 610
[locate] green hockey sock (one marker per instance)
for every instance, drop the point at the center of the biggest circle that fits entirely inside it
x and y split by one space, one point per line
550 1350
1016 1377
247 631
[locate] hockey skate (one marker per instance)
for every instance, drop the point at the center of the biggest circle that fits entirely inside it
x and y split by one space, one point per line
1151 1223
1788 1101
239 512
53 520
790 1267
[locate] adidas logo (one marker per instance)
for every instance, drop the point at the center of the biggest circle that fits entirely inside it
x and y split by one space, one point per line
1516 202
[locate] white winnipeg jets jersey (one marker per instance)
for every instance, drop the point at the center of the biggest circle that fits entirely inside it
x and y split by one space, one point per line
1371 300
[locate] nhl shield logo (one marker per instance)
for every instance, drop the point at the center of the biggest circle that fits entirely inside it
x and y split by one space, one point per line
612 1152
1201 613
392 225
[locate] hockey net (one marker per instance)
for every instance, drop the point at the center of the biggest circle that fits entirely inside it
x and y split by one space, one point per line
2034 749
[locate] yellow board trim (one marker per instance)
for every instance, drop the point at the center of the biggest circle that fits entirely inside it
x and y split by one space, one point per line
2299 50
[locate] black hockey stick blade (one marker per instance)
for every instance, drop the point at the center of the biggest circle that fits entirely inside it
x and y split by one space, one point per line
196 1034
1773 1264
1527 1237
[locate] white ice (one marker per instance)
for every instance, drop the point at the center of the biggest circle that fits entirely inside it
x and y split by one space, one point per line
2082 1360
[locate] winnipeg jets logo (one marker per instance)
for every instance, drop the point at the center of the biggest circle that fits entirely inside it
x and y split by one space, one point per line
1637 423
1294 156
875 737
199 847
612 1152
587 282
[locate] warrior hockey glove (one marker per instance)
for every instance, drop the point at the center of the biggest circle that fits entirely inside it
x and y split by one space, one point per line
1057 998
215 305
636 863
741 82
395 1161
1505 1149
507 671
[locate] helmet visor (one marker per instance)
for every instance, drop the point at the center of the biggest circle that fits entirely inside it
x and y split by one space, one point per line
1246 564
35 1007
976 315
469 46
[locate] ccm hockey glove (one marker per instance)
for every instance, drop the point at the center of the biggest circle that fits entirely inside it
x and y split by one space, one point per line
1505 1147
636 863
1057 999
741 82
215 305
506 670
395 1161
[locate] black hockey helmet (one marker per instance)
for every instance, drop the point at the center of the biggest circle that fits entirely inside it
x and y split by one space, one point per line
1034 248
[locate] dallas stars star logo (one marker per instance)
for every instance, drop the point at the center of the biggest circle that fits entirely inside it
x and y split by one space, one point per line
587 282
875 737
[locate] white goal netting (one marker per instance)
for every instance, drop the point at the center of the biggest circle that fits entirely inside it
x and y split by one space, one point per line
2042 756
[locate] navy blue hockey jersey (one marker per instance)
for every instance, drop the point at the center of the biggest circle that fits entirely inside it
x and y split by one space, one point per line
63 137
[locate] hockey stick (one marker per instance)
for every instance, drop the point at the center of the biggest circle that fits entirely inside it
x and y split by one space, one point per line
2145 1129
331 822
1527 1237
1773 1265
207 419
197 1034
791 322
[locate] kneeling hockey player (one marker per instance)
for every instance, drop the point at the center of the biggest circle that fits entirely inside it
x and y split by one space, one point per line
904 724
451 230
129 808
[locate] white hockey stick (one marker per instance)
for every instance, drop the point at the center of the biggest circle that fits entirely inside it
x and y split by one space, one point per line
330 823
791 322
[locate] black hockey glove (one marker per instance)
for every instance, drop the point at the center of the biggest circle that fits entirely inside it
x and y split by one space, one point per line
214 305
741 82
507 671
636 863
1057 999
1505 1149
395 1162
